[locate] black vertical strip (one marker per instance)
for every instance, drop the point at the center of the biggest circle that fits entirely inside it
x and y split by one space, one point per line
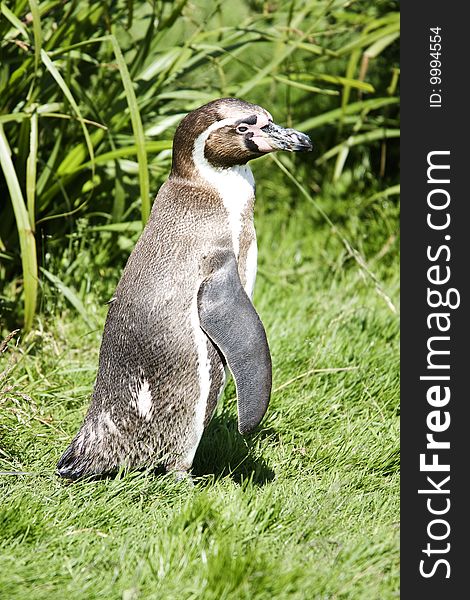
435 270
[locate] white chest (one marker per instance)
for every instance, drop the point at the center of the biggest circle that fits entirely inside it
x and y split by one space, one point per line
235 185
236 188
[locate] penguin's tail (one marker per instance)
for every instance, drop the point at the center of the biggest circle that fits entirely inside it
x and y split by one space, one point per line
71 464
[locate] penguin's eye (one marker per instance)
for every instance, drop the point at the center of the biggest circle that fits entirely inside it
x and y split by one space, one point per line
242 129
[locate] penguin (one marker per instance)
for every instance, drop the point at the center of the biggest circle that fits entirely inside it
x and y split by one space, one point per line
182 311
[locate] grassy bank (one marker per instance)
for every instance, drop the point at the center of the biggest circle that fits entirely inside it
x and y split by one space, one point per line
306 508
90 95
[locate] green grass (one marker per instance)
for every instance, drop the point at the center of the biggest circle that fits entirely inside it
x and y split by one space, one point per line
305 508
90 94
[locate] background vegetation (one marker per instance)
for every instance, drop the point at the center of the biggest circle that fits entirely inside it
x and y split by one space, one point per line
90 95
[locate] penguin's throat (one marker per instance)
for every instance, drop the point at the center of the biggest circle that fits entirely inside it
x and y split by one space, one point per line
234 185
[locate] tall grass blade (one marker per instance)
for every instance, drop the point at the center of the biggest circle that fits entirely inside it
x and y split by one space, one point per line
18 117
37 33
369 38
71 296
122 152
137 129
352 83
25 233
267 71
350 70
361 138
31 169
17 24
48 168
77 155
68 94
379 46
331 117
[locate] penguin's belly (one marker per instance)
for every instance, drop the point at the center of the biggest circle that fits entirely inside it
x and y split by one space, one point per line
209 386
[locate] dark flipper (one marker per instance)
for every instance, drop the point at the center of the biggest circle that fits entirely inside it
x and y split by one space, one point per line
228 317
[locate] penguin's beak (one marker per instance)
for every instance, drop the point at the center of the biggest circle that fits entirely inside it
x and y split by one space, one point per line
280 138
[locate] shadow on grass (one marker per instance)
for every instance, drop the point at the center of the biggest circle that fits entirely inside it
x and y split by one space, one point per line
223 452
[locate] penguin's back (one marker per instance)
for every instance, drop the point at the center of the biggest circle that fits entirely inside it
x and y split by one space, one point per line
159 375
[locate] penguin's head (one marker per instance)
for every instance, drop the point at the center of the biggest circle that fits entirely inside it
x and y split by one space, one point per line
228 132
